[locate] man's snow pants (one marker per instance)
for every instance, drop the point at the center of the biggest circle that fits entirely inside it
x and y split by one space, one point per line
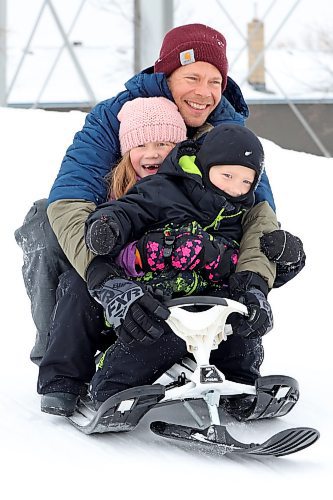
43 263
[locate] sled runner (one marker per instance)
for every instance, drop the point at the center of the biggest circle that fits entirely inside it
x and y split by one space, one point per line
122 412
201 323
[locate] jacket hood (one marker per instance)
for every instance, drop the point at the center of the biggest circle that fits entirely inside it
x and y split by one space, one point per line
147 84
173 166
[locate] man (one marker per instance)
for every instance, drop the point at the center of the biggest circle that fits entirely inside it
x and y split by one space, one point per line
194 75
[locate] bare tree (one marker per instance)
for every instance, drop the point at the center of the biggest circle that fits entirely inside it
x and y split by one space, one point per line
319 42
124 8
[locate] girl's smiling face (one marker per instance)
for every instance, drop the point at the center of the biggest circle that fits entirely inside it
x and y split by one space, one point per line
146 159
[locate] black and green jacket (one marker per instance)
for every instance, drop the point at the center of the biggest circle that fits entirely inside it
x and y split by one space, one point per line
176 194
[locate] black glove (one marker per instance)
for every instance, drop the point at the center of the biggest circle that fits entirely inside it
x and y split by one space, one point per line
285 273
282 247
251 290
144 321
133 312
101 233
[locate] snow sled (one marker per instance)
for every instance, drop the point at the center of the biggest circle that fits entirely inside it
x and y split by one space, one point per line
201 323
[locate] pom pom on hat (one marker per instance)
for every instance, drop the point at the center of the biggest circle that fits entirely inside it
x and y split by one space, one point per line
149 119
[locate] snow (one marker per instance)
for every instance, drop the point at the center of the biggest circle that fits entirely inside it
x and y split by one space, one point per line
43 456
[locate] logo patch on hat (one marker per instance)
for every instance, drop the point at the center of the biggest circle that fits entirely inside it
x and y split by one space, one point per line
187 57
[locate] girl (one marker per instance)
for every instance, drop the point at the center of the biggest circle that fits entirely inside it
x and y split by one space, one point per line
78 329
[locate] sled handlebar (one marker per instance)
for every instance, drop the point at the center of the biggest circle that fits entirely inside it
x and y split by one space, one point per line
198 300
202 330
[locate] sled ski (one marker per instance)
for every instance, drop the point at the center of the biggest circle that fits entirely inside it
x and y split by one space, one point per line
120 413
276 395
217 436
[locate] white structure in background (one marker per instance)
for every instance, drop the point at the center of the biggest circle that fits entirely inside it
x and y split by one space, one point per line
66 45
258 62
3 49
152 19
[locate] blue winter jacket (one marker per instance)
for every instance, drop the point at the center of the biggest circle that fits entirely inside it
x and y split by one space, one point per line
95 149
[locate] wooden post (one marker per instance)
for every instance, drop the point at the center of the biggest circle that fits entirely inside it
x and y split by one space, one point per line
256 54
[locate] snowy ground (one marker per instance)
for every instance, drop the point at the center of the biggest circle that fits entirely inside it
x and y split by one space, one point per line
44 457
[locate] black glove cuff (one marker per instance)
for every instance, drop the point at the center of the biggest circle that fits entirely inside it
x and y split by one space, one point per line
241 282
211 250
100 270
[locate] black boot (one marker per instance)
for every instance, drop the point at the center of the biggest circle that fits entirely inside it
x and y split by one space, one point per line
59 403
124 366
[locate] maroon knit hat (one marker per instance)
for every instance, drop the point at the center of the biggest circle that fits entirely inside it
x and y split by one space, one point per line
190 43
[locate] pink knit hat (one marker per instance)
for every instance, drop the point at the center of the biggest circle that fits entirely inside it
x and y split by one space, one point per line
192 43
149 119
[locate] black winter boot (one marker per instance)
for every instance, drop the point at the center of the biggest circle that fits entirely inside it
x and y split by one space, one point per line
59 403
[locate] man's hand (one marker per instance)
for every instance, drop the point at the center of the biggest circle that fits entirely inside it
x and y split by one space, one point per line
282 247
144 321
260 319
251 290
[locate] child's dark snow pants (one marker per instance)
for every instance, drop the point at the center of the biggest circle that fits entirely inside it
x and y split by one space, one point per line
126 366
78 332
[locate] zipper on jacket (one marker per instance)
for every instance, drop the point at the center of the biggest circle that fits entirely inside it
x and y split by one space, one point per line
216 222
